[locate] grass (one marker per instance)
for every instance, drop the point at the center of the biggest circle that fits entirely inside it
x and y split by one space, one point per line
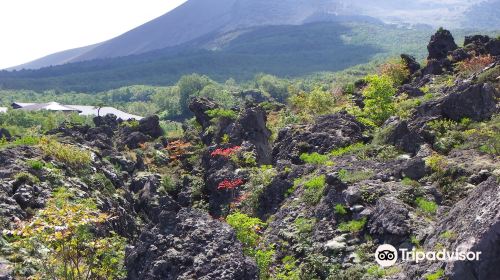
353 226
67 154
409 182
340 209
314 189
35 164
354 148
304 225
436 275
316 159
426 206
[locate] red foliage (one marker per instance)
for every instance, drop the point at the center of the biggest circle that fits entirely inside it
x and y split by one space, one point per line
225 152
230 184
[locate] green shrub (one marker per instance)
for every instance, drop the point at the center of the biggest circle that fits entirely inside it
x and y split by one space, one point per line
264 258
436 275
67 154
409 182
63 244
25 178
316 158
450 235
317 102
340 209
35 164
354 148
427 206
396 70
168 185
353 226
437 163
379 94
289 271
247 229
222 113
314 189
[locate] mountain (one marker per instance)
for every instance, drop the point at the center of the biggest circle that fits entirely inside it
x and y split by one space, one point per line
197 19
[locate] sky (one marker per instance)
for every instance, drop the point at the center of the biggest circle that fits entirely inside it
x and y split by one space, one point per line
30 29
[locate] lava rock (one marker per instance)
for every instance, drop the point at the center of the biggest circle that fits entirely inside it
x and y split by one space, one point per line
151 126
188 245
440 44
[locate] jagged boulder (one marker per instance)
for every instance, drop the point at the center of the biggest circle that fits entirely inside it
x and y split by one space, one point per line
134 139
251 127
109 120
475 101
199 107
150 126
389 222
440 44
327 133
188 244
474 225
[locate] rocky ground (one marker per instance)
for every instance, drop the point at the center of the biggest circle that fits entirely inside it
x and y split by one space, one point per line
323 219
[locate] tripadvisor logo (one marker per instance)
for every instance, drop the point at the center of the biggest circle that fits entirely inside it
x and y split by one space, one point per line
386 255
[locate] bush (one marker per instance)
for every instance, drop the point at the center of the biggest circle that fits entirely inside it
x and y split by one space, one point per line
474 64
436 275
314 189
353 226
317 102
340 209
316 158
67 154
396 70
63 243
168 185
222 113
427 206
354 148
379 96
25 178
436 163
247 229
35 164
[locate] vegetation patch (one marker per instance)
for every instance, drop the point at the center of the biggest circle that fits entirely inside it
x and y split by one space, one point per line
316 159
67 154
62 241
314 189
353 226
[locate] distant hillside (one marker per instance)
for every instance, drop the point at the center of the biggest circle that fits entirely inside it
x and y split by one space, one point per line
201 19
286 51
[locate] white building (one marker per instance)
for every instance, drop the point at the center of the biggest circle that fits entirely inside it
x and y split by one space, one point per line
80 109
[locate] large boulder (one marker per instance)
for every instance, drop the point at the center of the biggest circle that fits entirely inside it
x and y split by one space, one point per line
440 44
474 226
389 222
199 107
475 101
134 139
151 126
327 133
186 245
251 127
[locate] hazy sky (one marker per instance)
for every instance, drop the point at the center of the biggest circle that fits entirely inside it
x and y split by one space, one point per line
30 29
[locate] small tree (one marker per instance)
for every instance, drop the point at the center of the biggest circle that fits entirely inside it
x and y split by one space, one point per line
63 242
379 95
